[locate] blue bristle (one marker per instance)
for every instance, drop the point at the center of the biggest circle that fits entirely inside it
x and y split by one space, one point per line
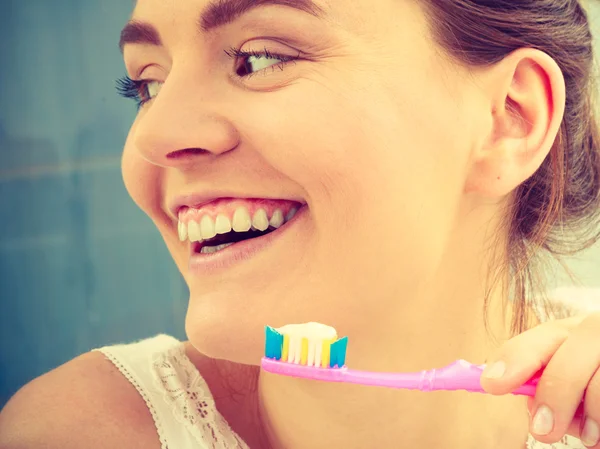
338 353
333 358
273 343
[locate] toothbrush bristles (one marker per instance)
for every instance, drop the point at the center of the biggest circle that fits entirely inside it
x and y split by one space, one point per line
324 353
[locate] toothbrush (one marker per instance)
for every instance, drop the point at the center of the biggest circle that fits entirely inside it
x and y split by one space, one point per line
313 351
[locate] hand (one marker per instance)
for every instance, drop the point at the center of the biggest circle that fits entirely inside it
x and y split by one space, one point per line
569 352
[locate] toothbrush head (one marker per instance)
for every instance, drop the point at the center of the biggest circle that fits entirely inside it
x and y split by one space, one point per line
310 344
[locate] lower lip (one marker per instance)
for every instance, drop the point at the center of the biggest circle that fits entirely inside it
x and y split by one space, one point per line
241 251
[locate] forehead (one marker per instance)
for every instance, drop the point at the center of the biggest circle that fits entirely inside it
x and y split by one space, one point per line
158 7
153 20
337 12
354 24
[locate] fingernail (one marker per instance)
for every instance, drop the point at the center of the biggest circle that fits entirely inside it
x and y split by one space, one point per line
495 371
591 433
543 422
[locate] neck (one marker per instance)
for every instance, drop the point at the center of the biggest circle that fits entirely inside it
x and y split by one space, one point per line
354 417
300 414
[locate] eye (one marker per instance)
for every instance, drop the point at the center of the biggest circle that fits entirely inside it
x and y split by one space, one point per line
153 88
248 63
141 91
252 64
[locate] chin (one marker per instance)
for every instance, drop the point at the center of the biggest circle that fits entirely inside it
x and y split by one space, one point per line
221 341
228 325
219 330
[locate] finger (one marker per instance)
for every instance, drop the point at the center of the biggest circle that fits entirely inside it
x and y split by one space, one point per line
524 355
575 426
589 430
584 425
563 384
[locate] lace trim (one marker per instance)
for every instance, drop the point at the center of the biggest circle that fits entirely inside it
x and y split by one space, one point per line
567 442
191 402
125 372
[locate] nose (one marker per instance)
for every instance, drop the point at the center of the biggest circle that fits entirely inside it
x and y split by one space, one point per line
183 124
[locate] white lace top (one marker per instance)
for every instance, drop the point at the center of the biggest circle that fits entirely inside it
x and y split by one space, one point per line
178 398
181 404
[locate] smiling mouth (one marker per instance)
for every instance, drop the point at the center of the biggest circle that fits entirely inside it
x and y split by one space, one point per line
210 231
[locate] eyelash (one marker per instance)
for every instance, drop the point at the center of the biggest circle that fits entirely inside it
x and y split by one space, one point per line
138 89
133 89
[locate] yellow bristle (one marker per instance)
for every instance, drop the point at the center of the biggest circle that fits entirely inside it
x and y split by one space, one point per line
286 348
326 353
304 352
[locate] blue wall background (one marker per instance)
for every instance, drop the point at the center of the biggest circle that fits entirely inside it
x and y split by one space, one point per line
80 265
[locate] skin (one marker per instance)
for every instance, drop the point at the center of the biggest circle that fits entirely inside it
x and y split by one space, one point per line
406 161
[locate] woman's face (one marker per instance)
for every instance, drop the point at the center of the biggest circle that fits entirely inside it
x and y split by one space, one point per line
347 112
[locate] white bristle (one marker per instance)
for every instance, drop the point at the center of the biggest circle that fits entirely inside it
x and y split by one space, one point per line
315 333
310 361
298 350
318 351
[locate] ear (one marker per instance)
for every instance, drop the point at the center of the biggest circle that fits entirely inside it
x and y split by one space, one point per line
526 93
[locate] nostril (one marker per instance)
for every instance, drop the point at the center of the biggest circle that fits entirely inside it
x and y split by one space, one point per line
187 152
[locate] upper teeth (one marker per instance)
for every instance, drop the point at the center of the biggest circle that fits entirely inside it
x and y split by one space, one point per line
183 231
222 225
194 232
277 219
207 227
260 221
241 220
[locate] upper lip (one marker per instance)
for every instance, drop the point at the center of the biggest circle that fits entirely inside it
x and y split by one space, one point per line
197 200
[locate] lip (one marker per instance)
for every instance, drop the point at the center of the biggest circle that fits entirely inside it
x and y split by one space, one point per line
202 264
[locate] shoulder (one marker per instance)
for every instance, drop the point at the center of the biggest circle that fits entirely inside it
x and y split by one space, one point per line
565 302
83 403
577 300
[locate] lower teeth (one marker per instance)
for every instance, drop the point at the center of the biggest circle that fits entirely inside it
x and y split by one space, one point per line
214 249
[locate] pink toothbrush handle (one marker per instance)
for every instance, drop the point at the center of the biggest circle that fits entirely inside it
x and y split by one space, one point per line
460 375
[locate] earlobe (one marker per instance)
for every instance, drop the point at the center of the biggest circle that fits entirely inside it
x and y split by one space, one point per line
527 102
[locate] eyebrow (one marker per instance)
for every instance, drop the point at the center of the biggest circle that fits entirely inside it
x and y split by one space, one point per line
139 33
215 15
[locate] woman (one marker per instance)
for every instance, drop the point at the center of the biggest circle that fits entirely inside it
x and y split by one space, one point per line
390 169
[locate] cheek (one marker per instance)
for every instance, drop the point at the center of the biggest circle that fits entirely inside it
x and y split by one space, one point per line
377 165
383 173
